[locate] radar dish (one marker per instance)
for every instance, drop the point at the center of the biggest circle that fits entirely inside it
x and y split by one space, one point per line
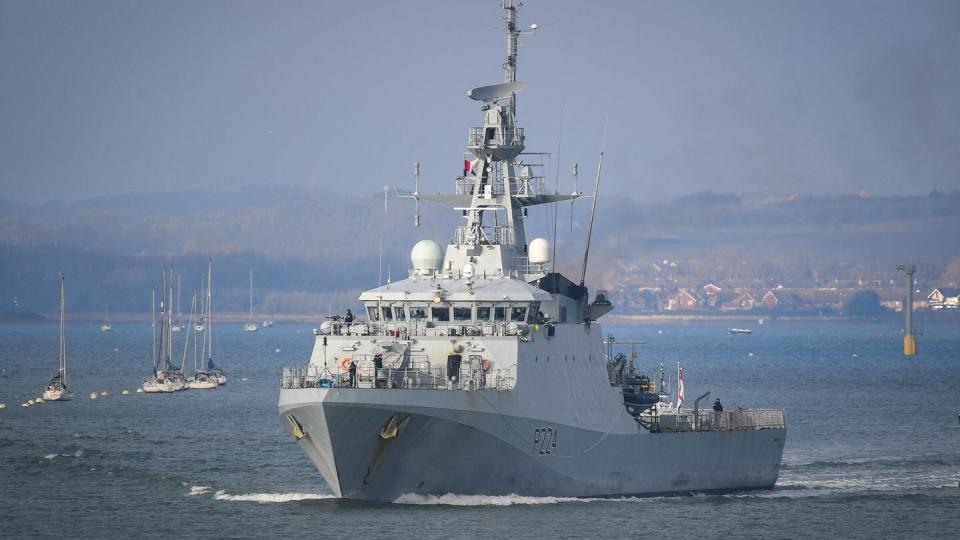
496 91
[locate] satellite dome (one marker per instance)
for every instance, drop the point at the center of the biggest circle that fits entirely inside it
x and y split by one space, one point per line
539 251
468 271
426 257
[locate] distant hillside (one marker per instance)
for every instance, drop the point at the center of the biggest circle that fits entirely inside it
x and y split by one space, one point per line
311 249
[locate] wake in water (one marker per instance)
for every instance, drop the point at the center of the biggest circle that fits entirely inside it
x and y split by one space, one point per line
451 499
901 474
262 498
270 497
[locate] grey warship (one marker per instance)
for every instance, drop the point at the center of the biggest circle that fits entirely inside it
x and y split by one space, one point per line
486 373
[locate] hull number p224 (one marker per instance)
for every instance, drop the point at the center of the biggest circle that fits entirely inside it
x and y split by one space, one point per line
545 441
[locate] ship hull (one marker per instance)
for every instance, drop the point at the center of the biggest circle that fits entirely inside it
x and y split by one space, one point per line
462 443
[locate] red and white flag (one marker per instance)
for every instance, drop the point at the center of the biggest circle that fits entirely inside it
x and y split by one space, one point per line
469 166
679 385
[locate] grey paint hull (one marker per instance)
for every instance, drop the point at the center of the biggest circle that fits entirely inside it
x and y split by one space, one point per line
466 445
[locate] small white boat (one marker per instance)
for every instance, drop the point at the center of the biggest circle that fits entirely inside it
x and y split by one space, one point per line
56 389
267 324
251 326
219 375
741 331
165 382
202 381
106 326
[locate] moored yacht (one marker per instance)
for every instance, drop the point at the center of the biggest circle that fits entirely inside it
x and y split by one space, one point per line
56 389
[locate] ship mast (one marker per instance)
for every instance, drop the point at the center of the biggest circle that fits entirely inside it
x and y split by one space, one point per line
496 187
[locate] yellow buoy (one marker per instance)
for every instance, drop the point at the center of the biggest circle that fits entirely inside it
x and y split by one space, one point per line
139 390
38 400
105 393
31 402
24 404
93 395
125 392
909 345
3 405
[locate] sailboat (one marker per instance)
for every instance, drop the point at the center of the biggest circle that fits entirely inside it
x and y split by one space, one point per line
250 326
106 326
56 389
202 379
212 369
166 376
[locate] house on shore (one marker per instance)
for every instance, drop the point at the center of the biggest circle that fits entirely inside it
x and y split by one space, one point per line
944 298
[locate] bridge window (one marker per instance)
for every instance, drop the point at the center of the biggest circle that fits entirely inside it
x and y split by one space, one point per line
418 313
440 314
518 314
387 314
534 314
462 313
399 314
499 314
483 313
373 313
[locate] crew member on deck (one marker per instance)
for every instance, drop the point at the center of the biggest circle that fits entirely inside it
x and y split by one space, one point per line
717 407
353 374
377 365
348 318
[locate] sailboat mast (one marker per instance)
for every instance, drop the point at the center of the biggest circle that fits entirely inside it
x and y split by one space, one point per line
63 340
153 324
196 341
186 341
170 322
251 295
209 331
179 315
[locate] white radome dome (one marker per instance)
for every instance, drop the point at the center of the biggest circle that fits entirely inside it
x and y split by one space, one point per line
426 257
539 251
469 271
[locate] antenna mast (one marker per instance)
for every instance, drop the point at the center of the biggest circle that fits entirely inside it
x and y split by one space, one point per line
593 212
510 66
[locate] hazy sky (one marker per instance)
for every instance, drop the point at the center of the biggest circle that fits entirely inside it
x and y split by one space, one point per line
99 97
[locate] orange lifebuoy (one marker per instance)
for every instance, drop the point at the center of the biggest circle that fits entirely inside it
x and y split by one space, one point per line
486 364
345 363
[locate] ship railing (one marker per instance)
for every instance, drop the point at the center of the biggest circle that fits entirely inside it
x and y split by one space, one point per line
524 266
414 377
467 184
415 328
499 136
489 235
736 420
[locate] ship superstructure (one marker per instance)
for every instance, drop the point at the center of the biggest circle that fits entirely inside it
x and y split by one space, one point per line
485 372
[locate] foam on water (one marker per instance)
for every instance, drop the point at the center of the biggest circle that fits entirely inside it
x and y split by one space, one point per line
451 499
198 490
50 456
263 498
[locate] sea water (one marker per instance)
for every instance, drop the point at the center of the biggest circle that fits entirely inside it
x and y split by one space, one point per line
873 443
